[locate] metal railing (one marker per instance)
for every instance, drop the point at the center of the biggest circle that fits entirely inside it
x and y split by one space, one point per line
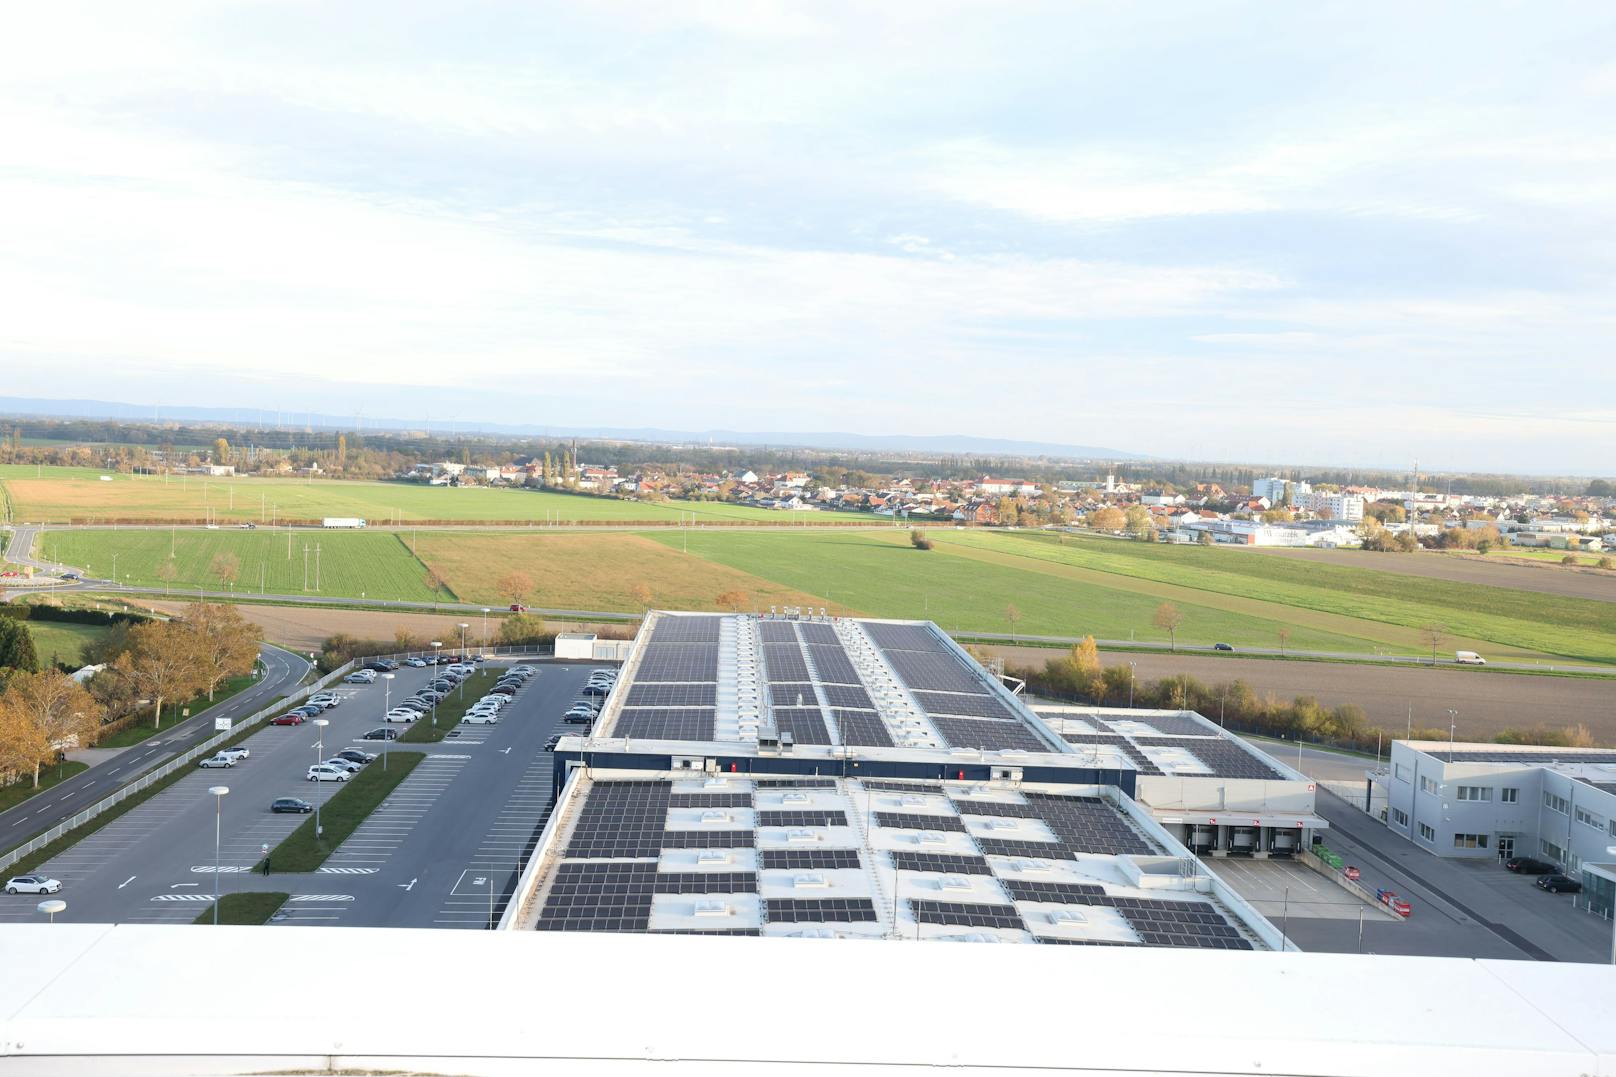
184 760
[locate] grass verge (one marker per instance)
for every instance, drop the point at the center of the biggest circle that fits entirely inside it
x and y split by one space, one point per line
141 730
425 731
49 776
303 850
254 908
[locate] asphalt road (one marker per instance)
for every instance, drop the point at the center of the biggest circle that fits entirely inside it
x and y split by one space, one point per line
472 805
284 671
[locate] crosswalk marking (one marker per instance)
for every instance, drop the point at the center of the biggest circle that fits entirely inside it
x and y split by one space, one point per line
349 871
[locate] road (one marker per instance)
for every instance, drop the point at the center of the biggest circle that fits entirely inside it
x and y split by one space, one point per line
284 671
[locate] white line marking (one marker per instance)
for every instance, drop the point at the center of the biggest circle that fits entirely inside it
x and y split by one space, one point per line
411 884
126 882
176 886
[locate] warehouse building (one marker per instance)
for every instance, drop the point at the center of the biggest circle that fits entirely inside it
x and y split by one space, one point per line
805 776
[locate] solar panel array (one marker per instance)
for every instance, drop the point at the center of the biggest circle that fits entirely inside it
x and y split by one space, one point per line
698 629
792 694
665 723
808 859
832 664
777 632
818 910
784 662
850 696
988 734
968 705
671 695
802 817
805 724
1504 755
678 662
965 914
945 863
1172 725
1224 758
863 728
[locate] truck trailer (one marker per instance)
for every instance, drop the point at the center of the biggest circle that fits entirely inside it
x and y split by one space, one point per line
343 522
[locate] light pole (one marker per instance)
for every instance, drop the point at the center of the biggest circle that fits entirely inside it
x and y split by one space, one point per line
1453 724
387 700
485 628
51 907
436 644
460 689
319 757
219 792
1130 686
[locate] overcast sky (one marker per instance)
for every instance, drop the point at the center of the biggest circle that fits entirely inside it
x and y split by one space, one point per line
1285 232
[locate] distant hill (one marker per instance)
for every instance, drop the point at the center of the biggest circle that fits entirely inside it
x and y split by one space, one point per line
959 444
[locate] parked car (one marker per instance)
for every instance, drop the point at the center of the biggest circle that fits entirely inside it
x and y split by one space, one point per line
1222 647
354 755
517 607
343 764
238 754
415 663
381 665
1528 865
310 710
577 718
400 714
71 576
323 772
213 761
1558 884
293 718
326 700
380 733
595 688
480 718
415 705
32 884
361 676
550 745
290 806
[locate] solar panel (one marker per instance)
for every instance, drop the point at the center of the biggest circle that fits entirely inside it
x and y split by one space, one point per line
899 820
965 914
934 672
996 808
1503 755
863 728
1048 850
706 882
707 839
818 632
672 695
1116 740
801 818
797 783
946 863
1226 760
784 662
1059 893
665 723
848 695
678 662
599 897
622 820
710 800
777 632
891 637
832 665
698 629
792 694
889 785
1171 923
972 706
1088 825
988 734
805 724
818 910
1173 725
808 859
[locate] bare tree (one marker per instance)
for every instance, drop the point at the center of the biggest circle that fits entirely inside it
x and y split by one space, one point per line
167 572
1435 633
226 566
1284 638
1012 614
1168 618
641 594
515 586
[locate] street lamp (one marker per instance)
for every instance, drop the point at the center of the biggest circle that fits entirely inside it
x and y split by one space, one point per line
219 792
387 708
51 907
319 757
1453 724
1130 685
460 689
485 627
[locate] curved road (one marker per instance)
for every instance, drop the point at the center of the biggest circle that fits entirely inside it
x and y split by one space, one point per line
283 671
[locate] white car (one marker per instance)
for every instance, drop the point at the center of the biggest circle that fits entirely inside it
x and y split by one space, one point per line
480 718
238 754
493 701
326 700
415 663
32 884
217 761
325 772
400 714
343 764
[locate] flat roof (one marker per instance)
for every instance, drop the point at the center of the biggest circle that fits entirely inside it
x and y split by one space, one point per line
636 1001
835 857
1178 744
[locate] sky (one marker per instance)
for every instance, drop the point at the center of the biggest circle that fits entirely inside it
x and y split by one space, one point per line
1356 234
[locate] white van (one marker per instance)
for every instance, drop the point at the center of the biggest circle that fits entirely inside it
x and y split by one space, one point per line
1468 658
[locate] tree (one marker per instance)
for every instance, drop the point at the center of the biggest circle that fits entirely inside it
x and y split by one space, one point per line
17 646
1168 618
1086 656
53 703
221 451
515 586
1205 538
641 594
162 663
918 539
1012 614
523 628
1434 634
734 601
1139 521
342 450
23 744
167 572
1606 563
1107 519
224 641
1284 638
1569 559
226 566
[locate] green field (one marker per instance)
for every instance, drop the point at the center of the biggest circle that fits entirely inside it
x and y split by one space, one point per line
57 641
79 494
375 564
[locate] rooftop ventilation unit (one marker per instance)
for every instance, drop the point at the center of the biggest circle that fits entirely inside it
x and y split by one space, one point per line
715 857
712 907
932 837
714 817
810 880
1068 917
954 882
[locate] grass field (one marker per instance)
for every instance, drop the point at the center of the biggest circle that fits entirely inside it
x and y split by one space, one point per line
249 909
1534 553
341 815
377 564
49 777
57 641
594 571
60 494
1510 621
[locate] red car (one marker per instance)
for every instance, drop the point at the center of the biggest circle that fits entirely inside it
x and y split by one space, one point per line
288 719
517 607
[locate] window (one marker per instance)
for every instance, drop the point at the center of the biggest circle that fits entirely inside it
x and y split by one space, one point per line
1551 850
1427 785
1556 803
1613 828
1475 792
1401 771
1401 818
1427 833
1470 841
1508 795
1588 818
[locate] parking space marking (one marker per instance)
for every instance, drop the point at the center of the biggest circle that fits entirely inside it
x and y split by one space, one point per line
504 848
396 818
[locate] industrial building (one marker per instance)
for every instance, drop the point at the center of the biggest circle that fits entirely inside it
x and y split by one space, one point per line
1497 801
804 776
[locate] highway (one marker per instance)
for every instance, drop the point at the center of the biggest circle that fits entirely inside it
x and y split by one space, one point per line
283 672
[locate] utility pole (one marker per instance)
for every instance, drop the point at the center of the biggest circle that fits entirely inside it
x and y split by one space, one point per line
305 566
316 566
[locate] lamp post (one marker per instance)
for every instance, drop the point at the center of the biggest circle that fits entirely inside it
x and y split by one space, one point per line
51 907
319 757
436 645
219 792
485 627
1453 724
387 708
1130 685
460 689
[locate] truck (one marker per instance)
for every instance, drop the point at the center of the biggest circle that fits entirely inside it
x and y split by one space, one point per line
343 522
1468 658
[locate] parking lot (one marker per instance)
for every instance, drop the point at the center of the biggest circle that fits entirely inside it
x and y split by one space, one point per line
477 798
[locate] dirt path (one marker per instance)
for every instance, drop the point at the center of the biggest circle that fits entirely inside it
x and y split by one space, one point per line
1487 702
1546 579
